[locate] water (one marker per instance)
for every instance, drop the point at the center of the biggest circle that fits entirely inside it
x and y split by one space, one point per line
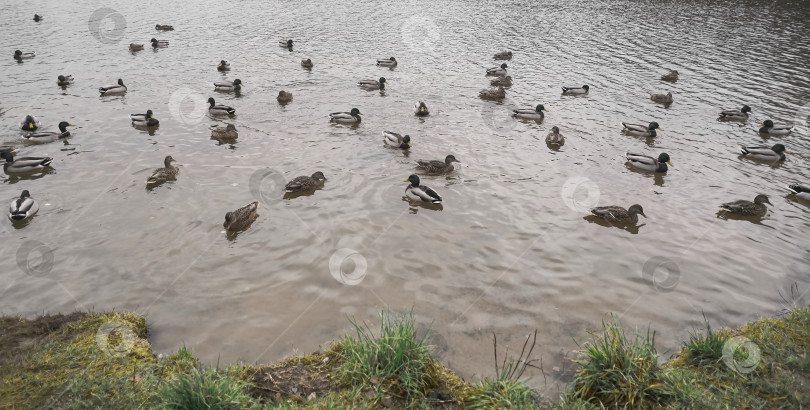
504 254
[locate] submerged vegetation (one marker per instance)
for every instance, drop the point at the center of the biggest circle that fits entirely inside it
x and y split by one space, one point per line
89 360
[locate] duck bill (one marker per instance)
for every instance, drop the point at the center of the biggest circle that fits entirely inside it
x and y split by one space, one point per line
670 163
409 145
660 129
421 109
31 125
405 180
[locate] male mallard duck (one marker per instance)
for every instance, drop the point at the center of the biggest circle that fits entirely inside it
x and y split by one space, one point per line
234 86
492 94
219 109
743 207
535 113
372 84
662 98
224 133
642 131
144 120
306 63
501 81
164 27
554 137
576 90
649 163
774 153
285 43
618 215
49 136
769 128
741 114
23 207
24 164
284 97
421 192
223 66
30 123
503 55
672 75
135 47
305 183
421 109
437 167
37 17
159 43
396 140
19 55
499 71
240 219
167 173
114 89
802 191
140 117
346 117
387 62
64 80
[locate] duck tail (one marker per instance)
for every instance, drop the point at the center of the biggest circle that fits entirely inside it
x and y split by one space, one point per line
743 150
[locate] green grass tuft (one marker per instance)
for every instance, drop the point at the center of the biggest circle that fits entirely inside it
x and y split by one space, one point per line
704 349
204 389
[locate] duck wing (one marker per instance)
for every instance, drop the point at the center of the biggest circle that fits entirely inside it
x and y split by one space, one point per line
641 159
634 127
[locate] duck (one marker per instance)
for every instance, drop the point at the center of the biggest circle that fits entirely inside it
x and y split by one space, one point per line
135 47
161 175
501 81
503 55
421 109
576 90
37 17
10 148
30 123
114 89
372 84
144 120
768 127
618 215
225 133
306 63
64 80
43 137
499 71
164 27
672 75
284 97
774 153
240 219
19 55
396 140
419 192
496 94
24 164
23 207
346 117
535 113
649 163
802 191
642 131
743 207
741 114
387 62
140 117
219 109
285 43
234 86
305 183
554 137
436 166
662 98
159 43
223 66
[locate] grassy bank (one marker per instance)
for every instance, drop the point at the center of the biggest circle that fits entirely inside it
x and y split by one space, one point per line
91 360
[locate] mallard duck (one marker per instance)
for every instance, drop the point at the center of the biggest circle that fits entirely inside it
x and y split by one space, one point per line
499 71
662 98
64 80
167 173
387 62
576 90
496 94
114 89
164 27
503 55
743 207
802 191
346 117
219 109
140 117
372 84
554 137
437 167
159 43
618 215
535 113
501 81
144 120
234 86
642 131
223 66
421 109
240 219
649 163
24 164
774 153
672 75
284 97
37 17
421 192
19 55
23 207
396 140
741 114
10 148
305 183
768 127
135 47
41 137
30 123
306 63
285 43
224 133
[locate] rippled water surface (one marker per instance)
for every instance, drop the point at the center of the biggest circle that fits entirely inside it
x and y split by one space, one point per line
508 252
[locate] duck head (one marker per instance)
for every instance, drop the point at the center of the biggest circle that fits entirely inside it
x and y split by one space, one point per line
355 112
585 87
779 148
664 157
237 82
540 108
406 142
745 108
422 107
504 66
17 53
211 101
289 43
120 82
762 199
555 129
450 158
25 194
7 156
318 176
654 126
382 80
168 160
767 124
413 179
29 122
63 126
222 63
636 210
